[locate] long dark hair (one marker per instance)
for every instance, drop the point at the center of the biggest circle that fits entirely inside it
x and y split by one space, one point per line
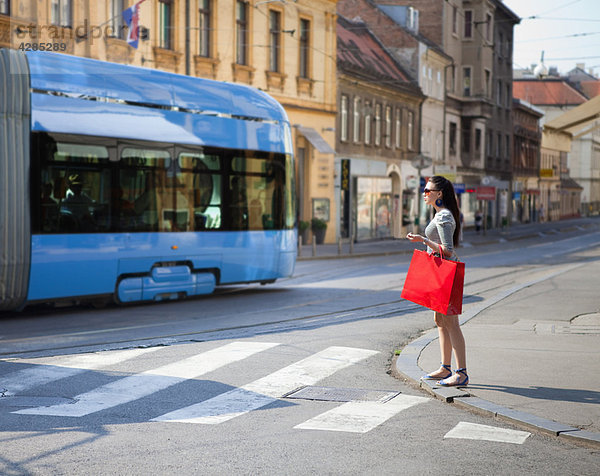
449 201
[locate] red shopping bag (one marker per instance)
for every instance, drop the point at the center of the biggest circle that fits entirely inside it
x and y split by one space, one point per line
435 283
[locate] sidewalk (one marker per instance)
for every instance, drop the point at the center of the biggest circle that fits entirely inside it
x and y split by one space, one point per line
470 238
533 354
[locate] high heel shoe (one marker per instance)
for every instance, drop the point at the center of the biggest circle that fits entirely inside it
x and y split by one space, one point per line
456 383
431 377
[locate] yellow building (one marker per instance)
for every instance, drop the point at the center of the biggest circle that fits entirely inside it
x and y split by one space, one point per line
286 48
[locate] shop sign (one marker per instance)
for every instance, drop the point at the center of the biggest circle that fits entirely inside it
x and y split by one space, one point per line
486 193
460 188
547 173
447 171
345 185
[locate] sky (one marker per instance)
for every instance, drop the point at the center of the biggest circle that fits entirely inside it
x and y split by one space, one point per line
568 31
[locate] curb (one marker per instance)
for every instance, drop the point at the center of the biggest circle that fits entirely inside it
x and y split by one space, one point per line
406 366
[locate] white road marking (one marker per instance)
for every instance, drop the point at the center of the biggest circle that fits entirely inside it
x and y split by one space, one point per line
143 384
47 370
268 389
360 417
473 431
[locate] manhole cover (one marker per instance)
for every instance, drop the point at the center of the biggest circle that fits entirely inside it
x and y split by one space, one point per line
333 394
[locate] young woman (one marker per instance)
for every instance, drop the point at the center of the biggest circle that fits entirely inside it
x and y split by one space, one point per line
441 238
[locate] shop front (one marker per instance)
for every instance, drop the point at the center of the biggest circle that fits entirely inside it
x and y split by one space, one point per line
374 208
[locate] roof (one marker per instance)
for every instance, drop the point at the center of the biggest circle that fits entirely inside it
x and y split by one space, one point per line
359 52
68 74
547 92
568 182
590 88
396 14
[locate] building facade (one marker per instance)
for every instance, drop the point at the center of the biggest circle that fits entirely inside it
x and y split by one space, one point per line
397 27
285 49
558 191
526 155
478 36
377 132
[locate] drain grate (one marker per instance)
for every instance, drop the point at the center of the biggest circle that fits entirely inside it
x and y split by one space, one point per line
333 394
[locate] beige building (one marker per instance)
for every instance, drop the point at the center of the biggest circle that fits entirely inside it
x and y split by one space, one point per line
284 48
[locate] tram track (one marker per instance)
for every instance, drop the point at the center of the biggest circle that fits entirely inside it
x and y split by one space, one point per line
32 346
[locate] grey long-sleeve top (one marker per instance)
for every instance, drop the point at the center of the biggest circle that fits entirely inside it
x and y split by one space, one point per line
441 230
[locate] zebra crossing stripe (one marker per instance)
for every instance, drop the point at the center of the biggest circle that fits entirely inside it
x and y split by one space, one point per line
56 368
360 417
268 389
473 431
140 385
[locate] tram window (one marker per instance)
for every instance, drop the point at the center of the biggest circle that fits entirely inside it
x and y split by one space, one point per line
74 188
204 188
85 154
257 193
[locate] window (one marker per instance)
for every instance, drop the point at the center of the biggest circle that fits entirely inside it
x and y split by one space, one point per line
356 121
274 40
488 27
4 7
411 129
378 124
499 145
468 24
116 20
388 126
454 20
499 46
466 137
304 71
165 19
452 138
368 119
499 93
488 83
344 118
507 141
241 32
151 190
398 128
508 97
204 28
467 81
478 140
60 13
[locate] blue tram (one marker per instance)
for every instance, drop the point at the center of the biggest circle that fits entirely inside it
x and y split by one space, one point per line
137 184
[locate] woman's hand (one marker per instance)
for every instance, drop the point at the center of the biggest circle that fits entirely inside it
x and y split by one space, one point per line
415 238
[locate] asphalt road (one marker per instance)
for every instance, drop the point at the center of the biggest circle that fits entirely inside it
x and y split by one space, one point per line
204 386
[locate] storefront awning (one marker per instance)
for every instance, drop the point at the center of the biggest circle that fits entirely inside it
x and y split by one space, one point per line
315 139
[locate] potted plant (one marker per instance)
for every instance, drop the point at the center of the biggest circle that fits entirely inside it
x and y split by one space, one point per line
318 227
303 230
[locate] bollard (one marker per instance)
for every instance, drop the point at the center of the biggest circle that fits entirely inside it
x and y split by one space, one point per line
299 245
351 244
339 245
314 246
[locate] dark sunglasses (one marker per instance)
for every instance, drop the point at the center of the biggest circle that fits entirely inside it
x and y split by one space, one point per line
427 191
